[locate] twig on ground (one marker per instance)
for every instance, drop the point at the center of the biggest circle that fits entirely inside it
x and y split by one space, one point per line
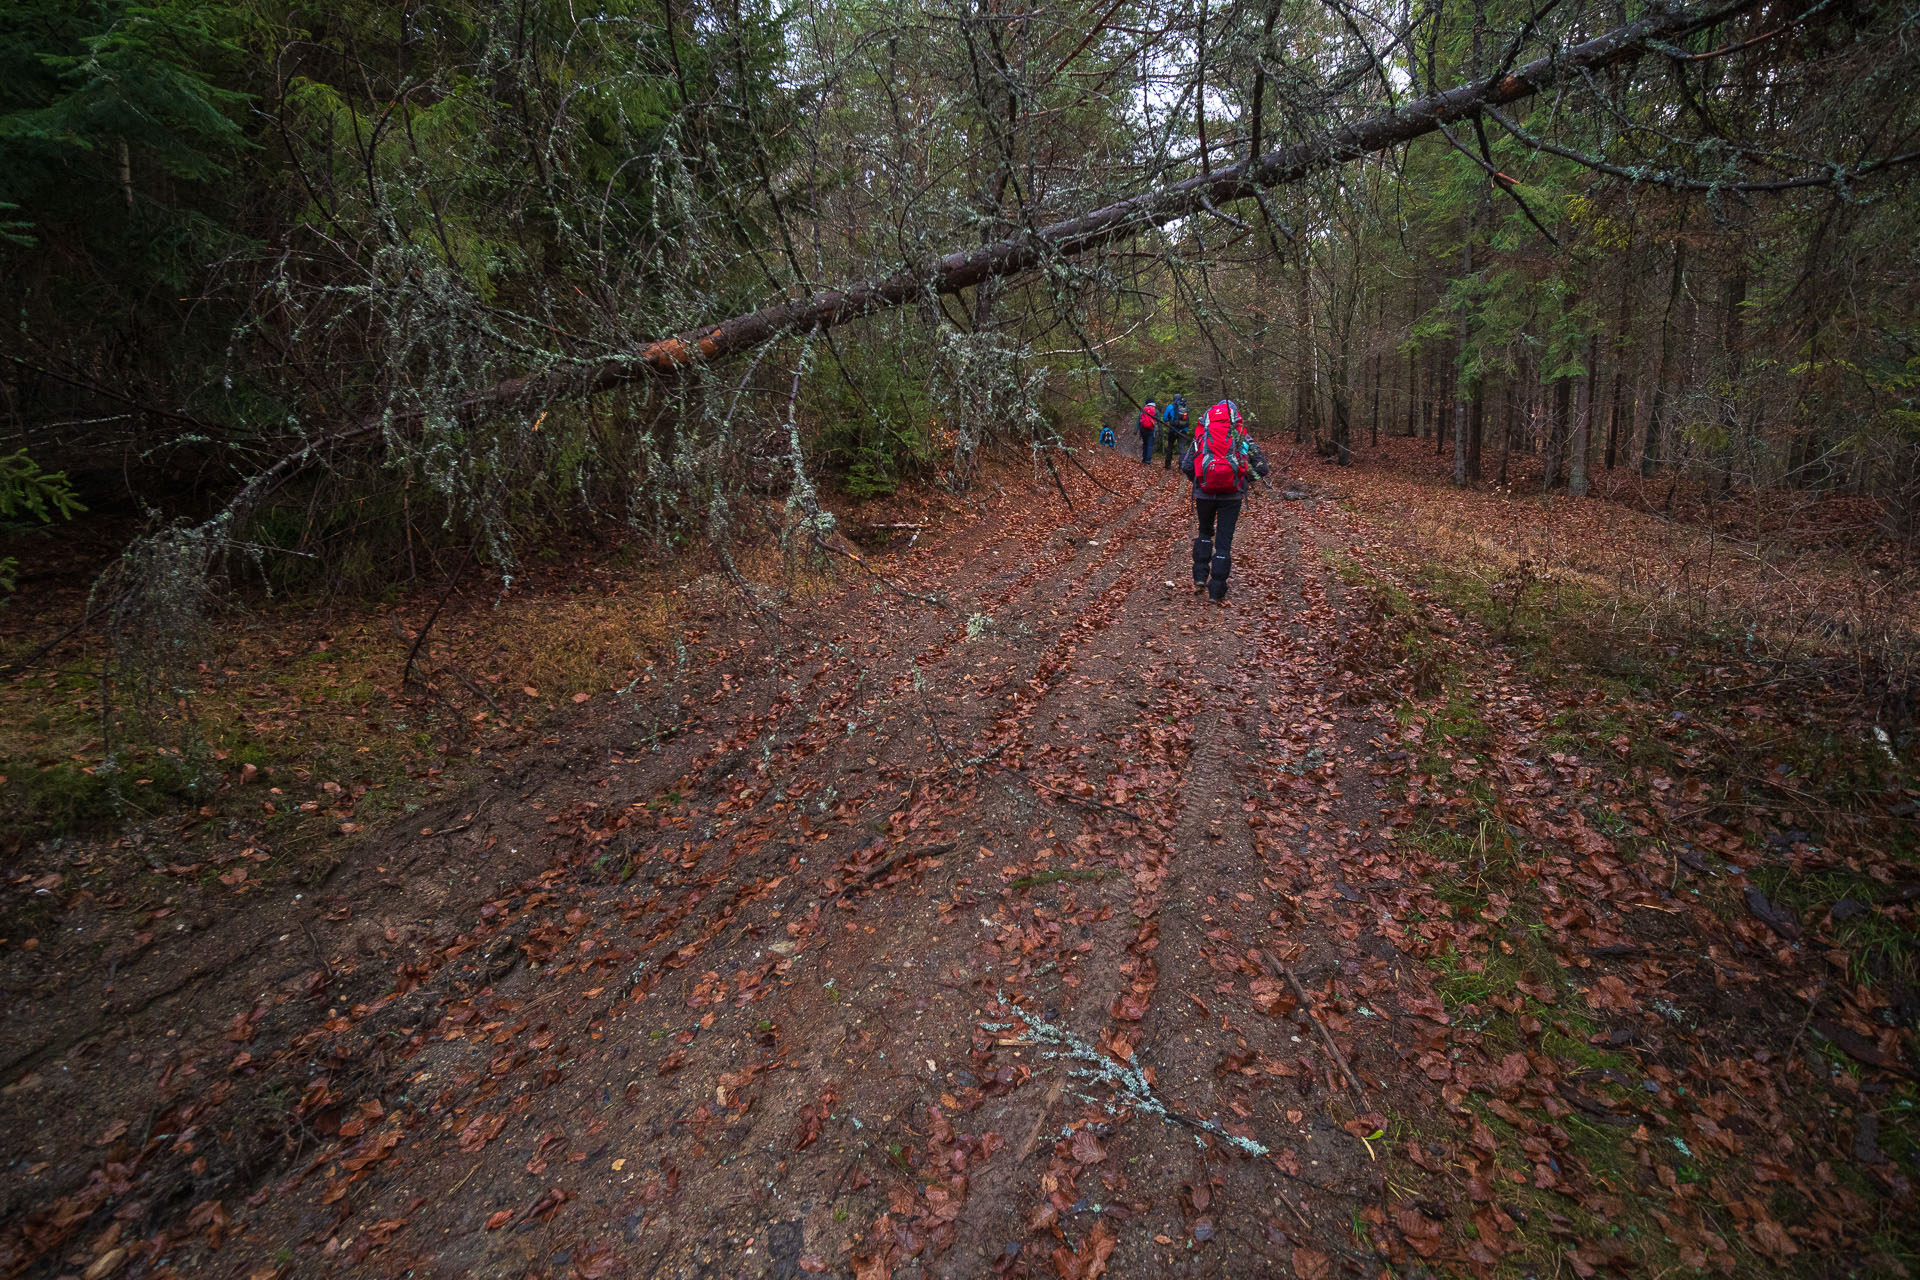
1130 1085
1058 484
319 955
469 681
1040 1121
1277 970
1075 460
900 859
1068 796
935 601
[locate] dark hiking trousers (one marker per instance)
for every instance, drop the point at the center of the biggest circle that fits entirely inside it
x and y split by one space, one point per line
1169 430
1146 444
1213 549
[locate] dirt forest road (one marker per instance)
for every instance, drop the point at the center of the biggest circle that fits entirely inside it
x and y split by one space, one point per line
1065 926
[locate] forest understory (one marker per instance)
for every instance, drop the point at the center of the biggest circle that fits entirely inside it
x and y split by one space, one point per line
1496 885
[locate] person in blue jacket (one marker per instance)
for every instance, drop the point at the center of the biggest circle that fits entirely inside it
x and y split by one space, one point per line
1173 428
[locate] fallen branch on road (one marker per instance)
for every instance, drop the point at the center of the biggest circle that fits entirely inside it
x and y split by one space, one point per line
1129 1083
1275 969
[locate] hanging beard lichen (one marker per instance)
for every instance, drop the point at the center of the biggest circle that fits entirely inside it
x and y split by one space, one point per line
987 389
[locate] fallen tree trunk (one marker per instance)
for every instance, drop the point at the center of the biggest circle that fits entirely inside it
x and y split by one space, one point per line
1089 231
1018 254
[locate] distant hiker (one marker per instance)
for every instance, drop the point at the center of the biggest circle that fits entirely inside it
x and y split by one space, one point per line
1173 420
1149 417
1108 439
1222 460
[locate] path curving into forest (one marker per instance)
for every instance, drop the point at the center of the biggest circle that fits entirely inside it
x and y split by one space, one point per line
1077 926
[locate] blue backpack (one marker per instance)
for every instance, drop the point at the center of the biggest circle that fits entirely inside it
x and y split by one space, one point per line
1108 439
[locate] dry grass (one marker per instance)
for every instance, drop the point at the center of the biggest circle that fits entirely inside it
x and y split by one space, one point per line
1792 582
297 698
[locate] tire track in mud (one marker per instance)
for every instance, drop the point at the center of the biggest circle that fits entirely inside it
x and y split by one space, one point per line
1305 787
823 731
1099 698
1214 1209
655 773
1203 1035
1206 856
1090 1010
763 727
749 727
1030 690
823 719
1109 1014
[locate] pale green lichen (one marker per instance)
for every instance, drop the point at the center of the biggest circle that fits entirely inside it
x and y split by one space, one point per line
1126 1083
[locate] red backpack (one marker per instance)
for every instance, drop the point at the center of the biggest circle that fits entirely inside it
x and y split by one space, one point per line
1148 418
1220 464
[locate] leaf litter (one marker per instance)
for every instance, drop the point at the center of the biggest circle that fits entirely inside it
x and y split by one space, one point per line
1124 935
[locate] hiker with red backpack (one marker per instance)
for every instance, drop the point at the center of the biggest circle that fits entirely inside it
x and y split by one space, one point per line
1149 418
1223 461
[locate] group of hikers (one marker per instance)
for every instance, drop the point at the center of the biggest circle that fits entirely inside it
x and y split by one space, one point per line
1222 462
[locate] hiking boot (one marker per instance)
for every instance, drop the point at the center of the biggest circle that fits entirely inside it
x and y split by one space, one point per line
1217 582
1202 554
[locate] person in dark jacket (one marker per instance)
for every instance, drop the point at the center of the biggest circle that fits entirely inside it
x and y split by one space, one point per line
1174 429
1149 416
1219 511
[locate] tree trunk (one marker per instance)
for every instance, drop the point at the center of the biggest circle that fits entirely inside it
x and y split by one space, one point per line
1430 411
1559 427
1509 423
1200 86
1015 256
1581 444
1476 428
1462 469
1305 427
1620 368
1733 361
1374 427
1339 376
1413 392
1614 409
1669 337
